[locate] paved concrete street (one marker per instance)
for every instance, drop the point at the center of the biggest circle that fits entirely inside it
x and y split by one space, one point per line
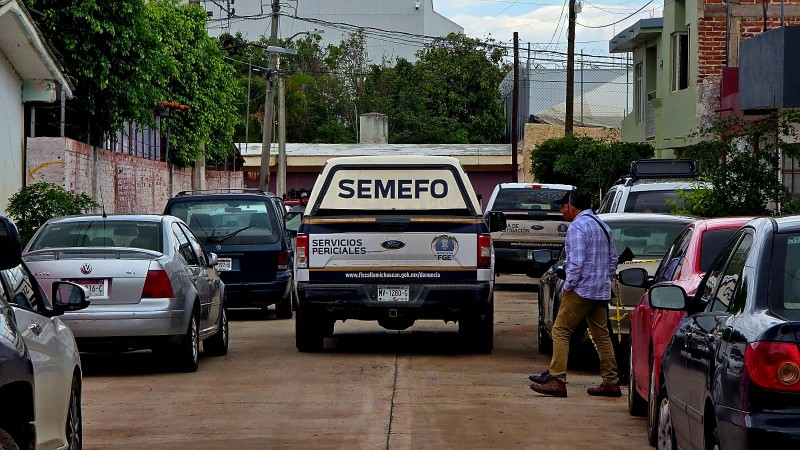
371 388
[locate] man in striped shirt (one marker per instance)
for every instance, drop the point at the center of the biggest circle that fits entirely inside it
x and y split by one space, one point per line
591 265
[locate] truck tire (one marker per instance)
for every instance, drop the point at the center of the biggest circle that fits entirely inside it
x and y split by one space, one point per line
309 333
477 331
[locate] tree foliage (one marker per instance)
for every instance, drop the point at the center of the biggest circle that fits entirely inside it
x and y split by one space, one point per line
125 56
35 204
741 160
592 164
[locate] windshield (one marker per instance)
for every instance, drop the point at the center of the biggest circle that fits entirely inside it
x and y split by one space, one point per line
234 222
658 202
645 238
785 276
100 233
527 199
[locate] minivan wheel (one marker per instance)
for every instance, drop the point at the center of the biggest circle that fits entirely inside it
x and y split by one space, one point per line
309 335
74 426
666 432
545 343
283 310
6 441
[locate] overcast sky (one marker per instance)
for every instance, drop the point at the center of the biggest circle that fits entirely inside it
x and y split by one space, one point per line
541 21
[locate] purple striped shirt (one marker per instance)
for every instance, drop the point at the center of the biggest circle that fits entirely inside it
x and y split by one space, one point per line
591 259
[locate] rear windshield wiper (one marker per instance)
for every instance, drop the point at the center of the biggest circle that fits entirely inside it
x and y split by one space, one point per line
222 239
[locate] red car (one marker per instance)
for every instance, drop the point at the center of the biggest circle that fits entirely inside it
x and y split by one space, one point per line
684 264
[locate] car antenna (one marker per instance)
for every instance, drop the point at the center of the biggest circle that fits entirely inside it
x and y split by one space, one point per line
104 211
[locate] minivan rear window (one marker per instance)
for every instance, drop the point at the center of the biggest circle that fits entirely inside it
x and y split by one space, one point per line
100 233
527 199
658 202
233 222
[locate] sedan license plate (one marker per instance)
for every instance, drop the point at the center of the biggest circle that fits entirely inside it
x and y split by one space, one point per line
224 264
96 288
392 293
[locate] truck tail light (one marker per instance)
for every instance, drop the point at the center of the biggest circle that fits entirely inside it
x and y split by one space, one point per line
485 251
157 285
283 260
774 365
301 250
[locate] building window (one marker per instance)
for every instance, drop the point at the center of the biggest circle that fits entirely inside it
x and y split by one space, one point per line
640 97
680 61
791 175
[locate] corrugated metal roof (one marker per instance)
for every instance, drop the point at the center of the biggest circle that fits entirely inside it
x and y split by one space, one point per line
299 150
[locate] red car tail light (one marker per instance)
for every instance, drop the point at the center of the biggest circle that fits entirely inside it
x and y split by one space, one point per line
157 285
774 365
484 251
283 260
301 250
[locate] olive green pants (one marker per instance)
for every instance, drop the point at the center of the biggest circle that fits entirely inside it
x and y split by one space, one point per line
572 311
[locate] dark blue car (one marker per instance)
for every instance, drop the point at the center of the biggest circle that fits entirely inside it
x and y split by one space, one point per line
247 230
732 370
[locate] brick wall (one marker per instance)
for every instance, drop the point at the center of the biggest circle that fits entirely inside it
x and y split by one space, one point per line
122 183
746 20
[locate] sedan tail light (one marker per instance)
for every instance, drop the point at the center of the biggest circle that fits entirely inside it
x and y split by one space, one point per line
774 365
484 251
157 285
301 250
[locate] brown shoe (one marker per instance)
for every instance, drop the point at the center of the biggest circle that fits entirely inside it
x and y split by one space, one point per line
554 387
605 390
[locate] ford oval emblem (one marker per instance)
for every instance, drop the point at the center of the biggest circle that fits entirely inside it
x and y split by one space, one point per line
537 227
393 244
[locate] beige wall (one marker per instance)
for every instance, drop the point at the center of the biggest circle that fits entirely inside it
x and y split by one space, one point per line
536 133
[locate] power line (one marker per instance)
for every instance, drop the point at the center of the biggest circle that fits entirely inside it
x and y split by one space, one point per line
496 15
618 21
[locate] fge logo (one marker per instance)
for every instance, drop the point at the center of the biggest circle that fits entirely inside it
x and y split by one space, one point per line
444 247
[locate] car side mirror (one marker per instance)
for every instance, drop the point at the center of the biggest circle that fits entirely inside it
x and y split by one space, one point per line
10 245
634 277
668 296
497 221
293 221
213 259
69 296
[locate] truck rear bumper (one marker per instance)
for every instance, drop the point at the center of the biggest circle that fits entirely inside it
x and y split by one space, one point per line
425 301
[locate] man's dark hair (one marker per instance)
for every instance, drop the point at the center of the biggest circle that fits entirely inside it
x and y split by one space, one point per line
580 199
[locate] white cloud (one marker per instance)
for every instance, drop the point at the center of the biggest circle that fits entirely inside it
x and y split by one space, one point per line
539 23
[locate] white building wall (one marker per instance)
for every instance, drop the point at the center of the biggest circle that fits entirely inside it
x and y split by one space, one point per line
394 15
11 132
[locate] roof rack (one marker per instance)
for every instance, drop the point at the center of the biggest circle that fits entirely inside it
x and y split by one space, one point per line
226 190
652 169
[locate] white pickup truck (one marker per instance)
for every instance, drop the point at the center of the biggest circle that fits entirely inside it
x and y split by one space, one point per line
394 240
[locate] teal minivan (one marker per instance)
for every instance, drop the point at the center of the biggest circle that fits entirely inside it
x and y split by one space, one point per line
247 231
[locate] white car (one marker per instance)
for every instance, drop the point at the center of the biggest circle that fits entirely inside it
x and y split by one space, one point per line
57 421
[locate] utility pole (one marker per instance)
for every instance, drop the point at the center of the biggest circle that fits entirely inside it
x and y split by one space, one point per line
281 185
515 112
570 106
268 102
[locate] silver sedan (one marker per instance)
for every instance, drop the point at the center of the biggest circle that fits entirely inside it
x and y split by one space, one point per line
151 284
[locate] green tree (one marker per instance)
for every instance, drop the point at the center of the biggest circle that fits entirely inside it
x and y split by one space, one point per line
564 160
35 204
112 55
741 161
197 76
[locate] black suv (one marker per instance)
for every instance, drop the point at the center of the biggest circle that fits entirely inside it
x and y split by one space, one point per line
246 229
16 368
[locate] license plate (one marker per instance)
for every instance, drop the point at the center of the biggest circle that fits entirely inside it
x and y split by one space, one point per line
96 288
392 293
223 264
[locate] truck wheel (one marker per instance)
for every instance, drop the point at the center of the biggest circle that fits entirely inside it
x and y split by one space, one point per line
477 331
309 333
